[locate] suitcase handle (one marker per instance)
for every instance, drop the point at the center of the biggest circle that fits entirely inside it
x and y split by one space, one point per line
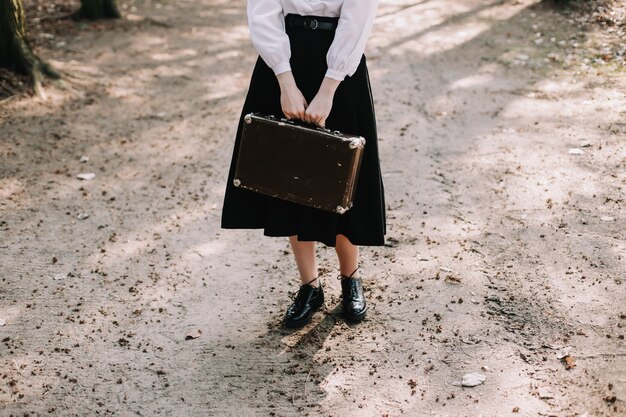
248 119
305 124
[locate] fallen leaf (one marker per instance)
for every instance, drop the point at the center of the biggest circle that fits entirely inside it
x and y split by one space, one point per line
452 279
569 361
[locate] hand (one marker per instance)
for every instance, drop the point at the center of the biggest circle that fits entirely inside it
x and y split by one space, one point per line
319 109
292 101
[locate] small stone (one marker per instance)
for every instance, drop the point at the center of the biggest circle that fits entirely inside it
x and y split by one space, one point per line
576 151
544 394
473 379
58 277
564 352
86 176
194 334
83 159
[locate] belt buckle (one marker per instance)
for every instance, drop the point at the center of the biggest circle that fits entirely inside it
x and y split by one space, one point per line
307 24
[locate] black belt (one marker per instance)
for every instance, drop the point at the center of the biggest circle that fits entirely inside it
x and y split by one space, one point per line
312 23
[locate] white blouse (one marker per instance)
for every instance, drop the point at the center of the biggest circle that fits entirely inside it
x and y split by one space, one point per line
266 20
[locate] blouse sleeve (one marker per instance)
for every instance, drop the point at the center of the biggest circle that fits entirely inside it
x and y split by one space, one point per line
353 30
266 22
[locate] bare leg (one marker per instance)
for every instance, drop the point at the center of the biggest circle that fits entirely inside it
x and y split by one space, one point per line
348 255
304 252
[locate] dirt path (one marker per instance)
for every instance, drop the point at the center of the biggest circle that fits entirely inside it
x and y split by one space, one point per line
503 249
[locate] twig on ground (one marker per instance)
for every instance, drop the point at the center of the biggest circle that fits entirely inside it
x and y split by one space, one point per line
61 16
305 388
598 355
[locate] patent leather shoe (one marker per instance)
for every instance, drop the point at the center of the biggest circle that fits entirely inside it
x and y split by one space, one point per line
353 300
307 301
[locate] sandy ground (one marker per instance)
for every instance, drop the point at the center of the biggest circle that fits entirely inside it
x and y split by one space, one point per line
503 249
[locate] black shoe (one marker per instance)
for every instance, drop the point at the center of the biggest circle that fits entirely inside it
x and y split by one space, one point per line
307 301
353 300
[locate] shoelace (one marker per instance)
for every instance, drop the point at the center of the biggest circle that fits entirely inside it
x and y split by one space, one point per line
340 277
353 290
296 296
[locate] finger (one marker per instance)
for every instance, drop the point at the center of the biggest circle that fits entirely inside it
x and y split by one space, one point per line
297 114
310 116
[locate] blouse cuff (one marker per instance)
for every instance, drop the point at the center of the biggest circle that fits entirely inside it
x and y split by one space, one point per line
281 67
335 75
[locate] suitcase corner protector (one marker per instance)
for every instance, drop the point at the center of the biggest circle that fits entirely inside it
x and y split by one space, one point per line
342 209
248 118
236 182
357 142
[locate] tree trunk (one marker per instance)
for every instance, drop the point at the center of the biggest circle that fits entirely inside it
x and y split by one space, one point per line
15 52
98 9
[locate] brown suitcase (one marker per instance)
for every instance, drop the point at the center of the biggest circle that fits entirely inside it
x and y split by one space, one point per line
297 162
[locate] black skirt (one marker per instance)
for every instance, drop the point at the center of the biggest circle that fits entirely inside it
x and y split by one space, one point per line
352 112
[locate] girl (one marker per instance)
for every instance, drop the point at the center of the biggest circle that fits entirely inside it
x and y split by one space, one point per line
311 67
